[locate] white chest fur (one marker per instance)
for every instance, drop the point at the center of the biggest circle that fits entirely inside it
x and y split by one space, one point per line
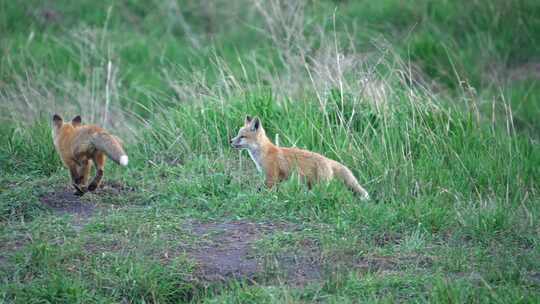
256 157
55 139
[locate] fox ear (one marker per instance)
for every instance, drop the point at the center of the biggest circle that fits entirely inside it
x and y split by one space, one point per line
57 120
255 124
247 120
77 120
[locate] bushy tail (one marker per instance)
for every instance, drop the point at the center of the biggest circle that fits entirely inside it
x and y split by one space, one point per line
344 174
111 146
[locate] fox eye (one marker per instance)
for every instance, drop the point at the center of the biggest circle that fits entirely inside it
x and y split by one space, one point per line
242 136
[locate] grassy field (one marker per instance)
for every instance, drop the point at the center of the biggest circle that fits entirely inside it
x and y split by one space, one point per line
434 105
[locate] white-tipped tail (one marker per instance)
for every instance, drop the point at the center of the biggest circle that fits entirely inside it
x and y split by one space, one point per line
343 173
124 160
365 197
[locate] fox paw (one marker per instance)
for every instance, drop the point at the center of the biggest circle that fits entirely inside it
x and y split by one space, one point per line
79 191
92 187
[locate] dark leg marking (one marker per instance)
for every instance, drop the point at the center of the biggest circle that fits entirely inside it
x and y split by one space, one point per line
97 179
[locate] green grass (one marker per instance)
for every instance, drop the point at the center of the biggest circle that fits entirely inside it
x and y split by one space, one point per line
433 106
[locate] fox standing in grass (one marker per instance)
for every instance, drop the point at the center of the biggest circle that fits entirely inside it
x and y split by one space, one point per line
81 145
277 163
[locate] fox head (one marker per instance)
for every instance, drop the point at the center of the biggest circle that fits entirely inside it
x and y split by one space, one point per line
59 126
250 135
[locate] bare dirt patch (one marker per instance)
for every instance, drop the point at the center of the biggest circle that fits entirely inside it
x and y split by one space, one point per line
63 200
225 250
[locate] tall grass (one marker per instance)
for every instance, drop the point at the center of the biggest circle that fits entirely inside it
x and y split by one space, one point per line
367 110
443 153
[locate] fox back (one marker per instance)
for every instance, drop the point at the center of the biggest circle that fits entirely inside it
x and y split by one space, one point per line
80 146
278 163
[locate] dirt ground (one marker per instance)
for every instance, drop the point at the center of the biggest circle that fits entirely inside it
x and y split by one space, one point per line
63 200
226 250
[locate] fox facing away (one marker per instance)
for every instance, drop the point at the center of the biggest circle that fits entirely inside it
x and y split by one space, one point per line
81 145
278 163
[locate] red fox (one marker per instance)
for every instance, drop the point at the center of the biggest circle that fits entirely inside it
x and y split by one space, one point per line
81 145
277 163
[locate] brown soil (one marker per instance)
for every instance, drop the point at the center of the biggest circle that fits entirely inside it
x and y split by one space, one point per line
225 250
64 201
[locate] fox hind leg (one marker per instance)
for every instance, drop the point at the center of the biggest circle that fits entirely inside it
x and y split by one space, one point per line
99 162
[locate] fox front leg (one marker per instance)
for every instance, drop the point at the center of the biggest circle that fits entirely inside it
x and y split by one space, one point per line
272 177
76 181
84 172
267 184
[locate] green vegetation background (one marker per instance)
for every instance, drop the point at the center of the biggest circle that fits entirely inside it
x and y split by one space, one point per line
434 105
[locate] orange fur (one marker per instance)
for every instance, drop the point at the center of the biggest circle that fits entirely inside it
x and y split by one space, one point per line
278 163
80 146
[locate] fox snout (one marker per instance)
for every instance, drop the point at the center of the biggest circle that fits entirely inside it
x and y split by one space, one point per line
236 143
233 142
